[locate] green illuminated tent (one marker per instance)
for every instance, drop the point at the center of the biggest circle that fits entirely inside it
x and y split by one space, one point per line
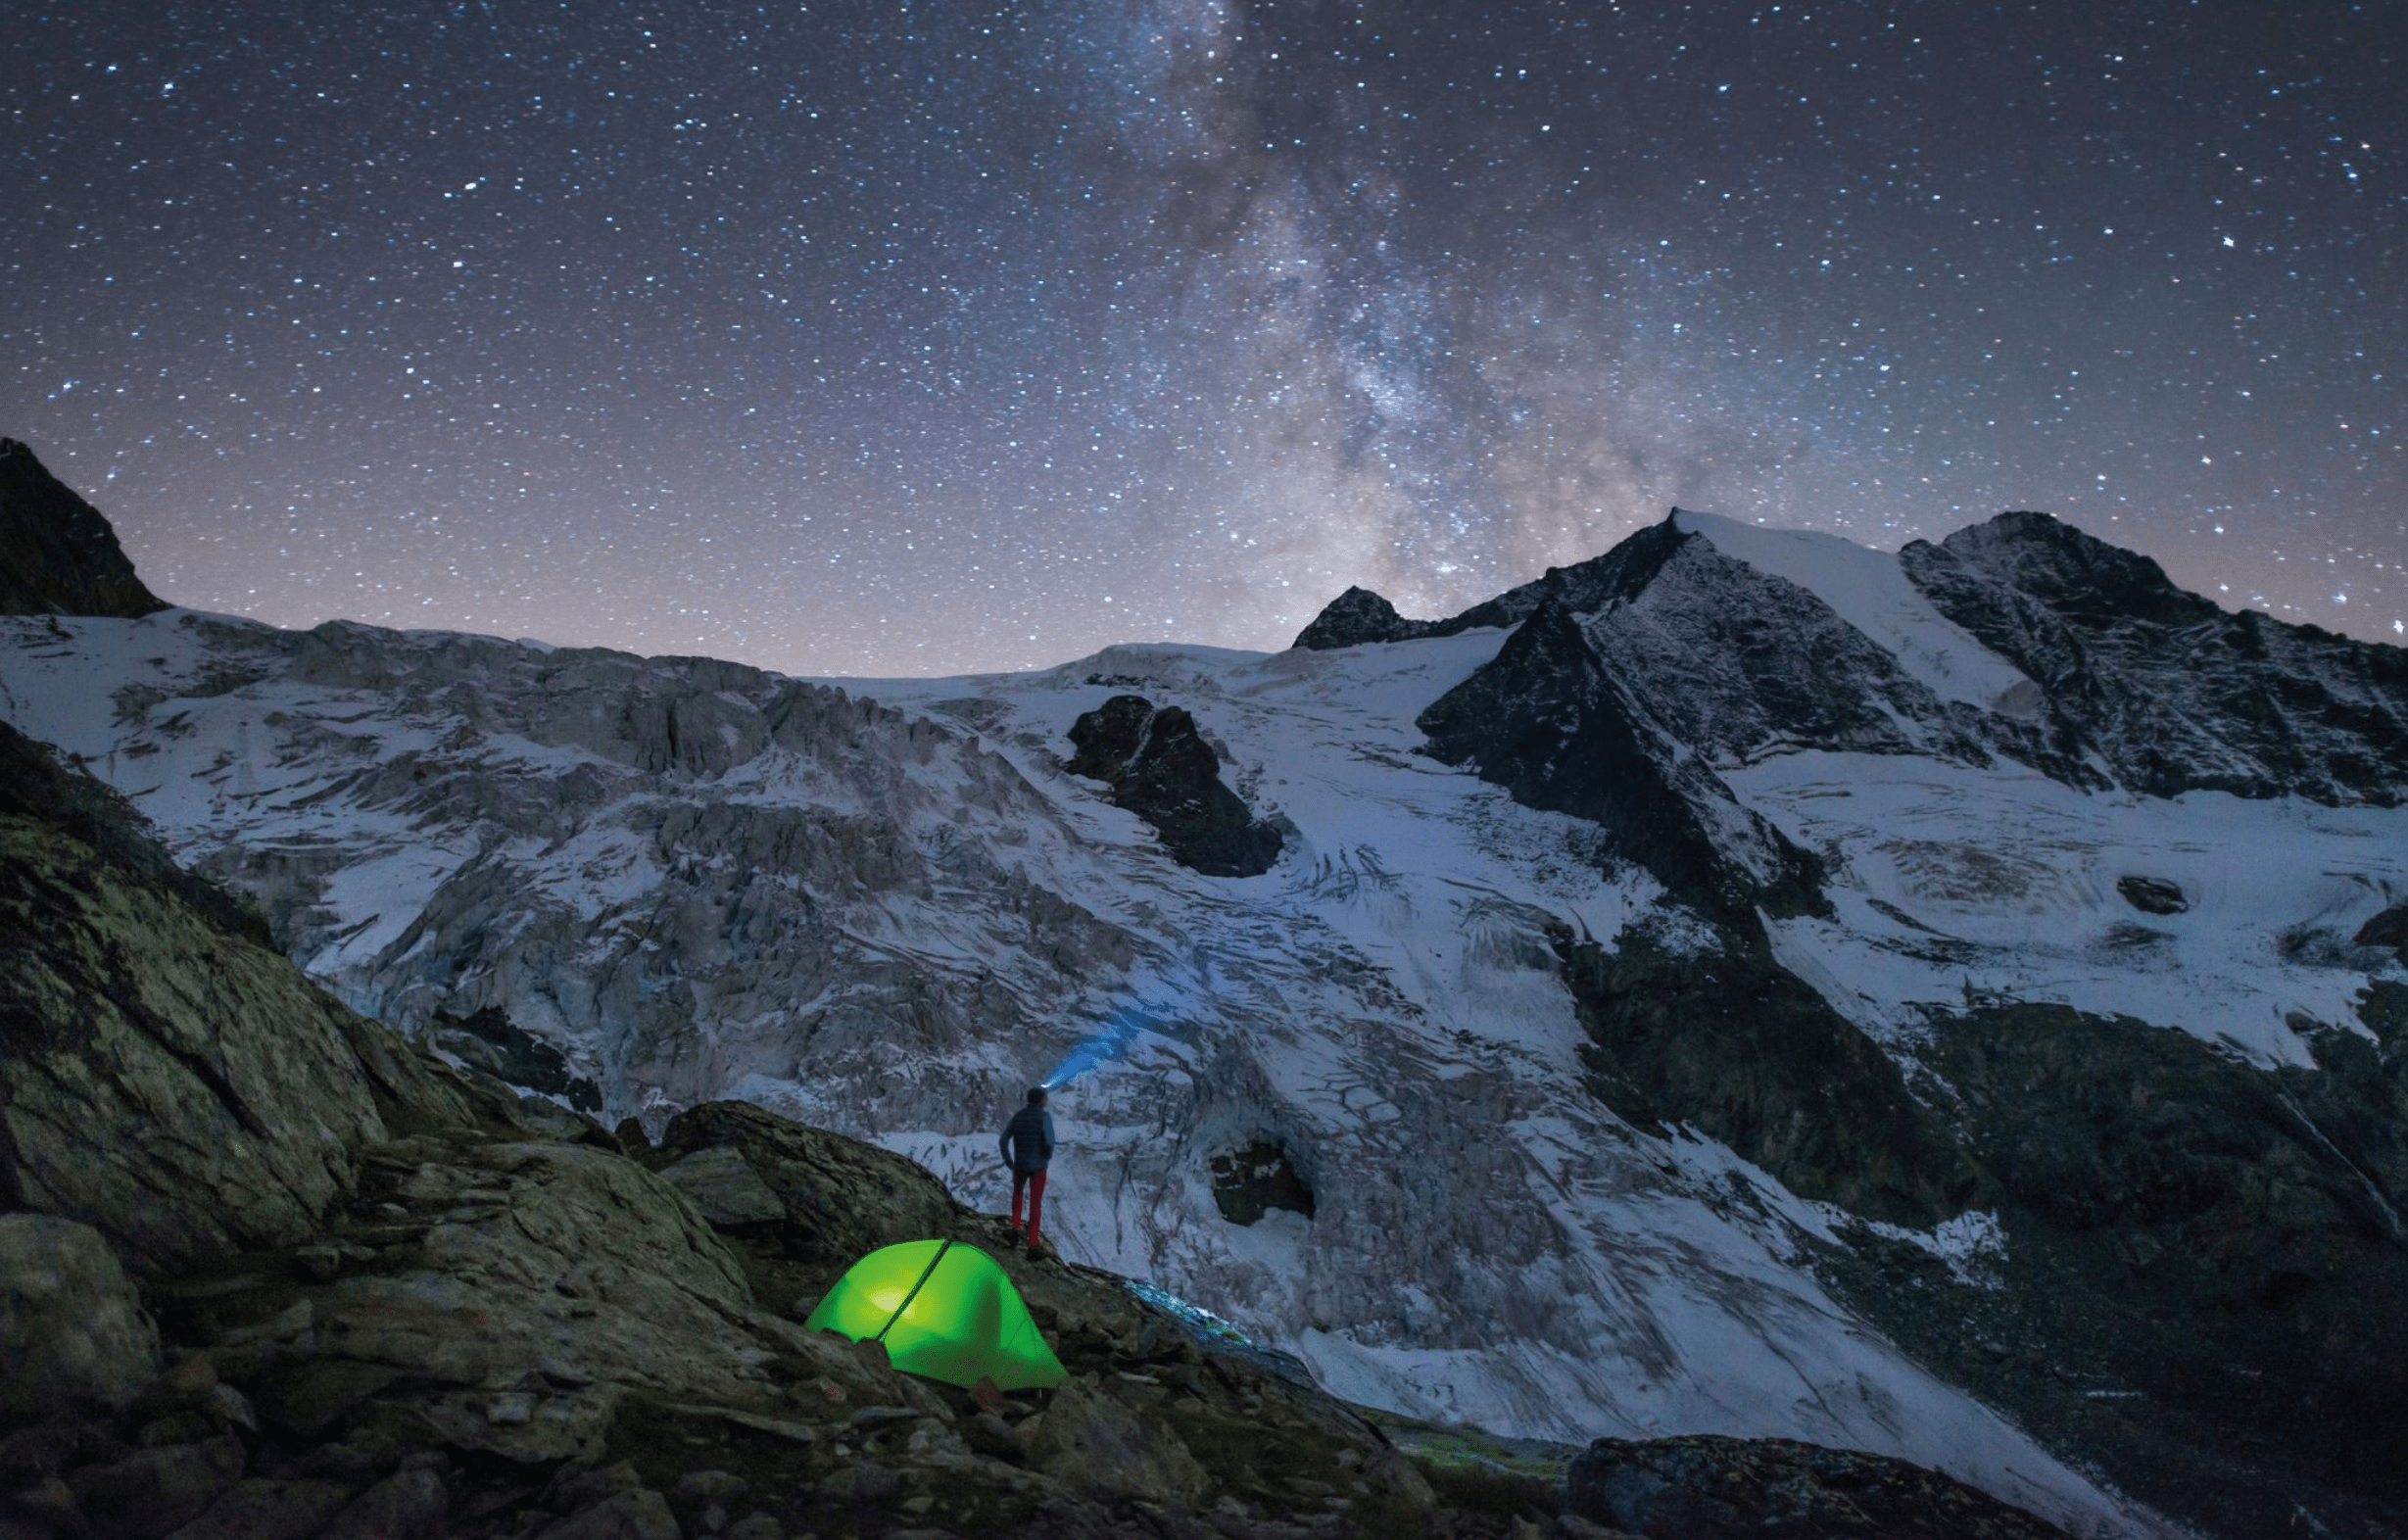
944 1309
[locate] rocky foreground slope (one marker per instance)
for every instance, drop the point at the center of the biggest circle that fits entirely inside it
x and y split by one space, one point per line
268 1272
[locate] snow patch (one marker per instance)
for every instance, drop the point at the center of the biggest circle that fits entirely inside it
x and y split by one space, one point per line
1871 592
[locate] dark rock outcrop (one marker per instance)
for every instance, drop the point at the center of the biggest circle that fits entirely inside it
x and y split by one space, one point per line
155 1057
1249 1182
1705 1487
2153 895
2387 928
1552 723
2201 1258
1360 615
486 1038
2171 692
836 1200
1159 767
58 555
1729 1041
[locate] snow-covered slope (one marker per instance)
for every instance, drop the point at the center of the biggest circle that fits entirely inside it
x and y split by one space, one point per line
1955 882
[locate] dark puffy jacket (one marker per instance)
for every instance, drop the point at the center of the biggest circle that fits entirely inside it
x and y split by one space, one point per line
1028 1139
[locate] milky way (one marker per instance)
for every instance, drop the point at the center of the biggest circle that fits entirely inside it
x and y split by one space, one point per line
919 338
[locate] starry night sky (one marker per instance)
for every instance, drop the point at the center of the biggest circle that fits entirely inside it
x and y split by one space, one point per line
897 338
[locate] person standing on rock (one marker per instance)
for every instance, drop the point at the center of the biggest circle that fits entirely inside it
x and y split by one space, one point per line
1028 1148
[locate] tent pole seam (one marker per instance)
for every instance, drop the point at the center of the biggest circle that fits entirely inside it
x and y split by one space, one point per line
924 1274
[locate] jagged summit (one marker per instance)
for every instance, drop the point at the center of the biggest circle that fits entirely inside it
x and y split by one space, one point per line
58 555
2071 571
1360 615
2165 690
2020 636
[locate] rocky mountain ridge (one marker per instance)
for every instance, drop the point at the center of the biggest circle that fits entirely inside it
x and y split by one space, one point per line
1667 648
2169 692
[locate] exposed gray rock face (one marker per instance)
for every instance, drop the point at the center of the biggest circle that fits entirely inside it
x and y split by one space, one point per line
71 1327
1160 768
2176 1226
490 1040
835 1200
1550 721
2171 692
1095 1441
724 1188
58 555
1736 663
157 1060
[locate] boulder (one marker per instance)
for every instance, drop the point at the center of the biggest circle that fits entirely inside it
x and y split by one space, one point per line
627 1515
71 1326
2153 895
724 1187
260 1509
2387 928
153 1492
1091 1442
405 1503
841 1199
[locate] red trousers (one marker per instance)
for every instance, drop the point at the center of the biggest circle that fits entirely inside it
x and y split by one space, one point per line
1032 1182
